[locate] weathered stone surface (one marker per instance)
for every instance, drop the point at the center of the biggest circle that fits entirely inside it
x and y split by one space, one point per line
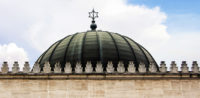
195 67
36 68
184 67
78 68
57 68
110 68
152 68
26 68
99 88
131 67
163 67
47 68
4 68
173 68
15 68
88 68
142 68
99 68
68 68
120 67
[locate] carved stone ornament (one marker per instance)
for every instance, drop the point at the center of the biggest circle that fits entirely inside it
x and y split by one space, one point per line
15 68
152 68
163 68
195 67
4 68
26 68
68 68
142 68
173 68
36 68
78 68
88 68
110 68
57 68
47 68
99 68
120 67
184 67
131 67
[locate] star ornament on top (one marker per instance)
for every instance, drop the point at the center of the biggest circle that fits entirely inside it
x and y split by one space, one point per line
93 15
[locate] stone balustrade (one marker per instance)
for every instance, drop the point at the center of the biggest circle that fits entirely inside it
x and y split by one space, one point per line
78 69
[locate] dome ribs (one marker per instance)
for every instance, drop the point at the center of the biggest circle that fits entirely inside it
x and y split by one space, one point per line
82 48
133 52
99 52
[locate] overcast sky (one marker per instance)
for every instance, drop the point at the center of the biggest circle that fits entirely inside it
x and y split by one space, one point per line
168 29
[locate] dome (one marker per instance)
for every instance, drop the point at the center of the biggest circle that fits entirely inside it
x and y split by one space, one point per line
96 46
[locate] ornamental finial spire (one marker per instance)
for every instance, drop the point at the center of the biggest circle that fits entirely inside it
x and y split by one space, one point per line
93 15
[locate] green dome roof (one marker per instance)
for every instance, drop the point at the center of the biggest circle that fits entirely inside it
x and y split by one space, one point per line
96 46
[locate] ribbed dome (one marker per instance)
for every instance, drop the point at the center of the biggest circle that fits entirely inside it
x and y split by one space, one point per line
96 46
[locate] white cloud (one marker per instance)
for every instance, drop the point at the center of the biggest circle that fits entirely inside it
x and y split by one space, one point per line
10 53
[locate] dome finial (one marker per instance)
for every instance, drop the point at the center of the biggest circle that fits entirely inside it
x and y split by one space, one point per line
93 15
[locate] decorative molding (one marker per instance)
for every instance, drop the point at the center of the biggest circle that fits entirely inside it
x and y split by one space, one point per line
5 68
68 68
78 68
36 68
88 68
163 68
195 67
173 68
152 68
57 68
120 67
184 67
110 68
15 68
131 67
142 68
26 68
99 68
47 68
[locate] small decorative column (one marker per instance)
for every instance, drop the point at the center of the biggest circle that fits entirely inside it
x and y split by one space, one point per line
110 68
142 68
68 68
195 67
4 68
120 67
163 68
99 68
78 68
57 68
47 68
26 68
184 67
152 68
15 68
36 68
88 68
173 68
131 67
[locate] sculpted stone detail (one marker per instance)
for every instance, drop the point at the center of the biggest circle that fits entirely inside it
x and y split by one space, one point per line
57 68
131 67
195 67
68 68
99 68
173 68
78 68
26 68
36 68
110 68
142 67
4 68
15 68
163 67
47 68
184 67
120 67
88 68
152 68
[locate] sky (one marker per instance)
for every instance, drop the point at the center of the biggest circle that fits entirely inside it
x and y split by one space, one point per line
168 29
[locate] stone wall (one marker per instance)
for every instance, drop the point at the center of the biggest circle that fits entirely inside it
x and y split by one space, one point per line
159 88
